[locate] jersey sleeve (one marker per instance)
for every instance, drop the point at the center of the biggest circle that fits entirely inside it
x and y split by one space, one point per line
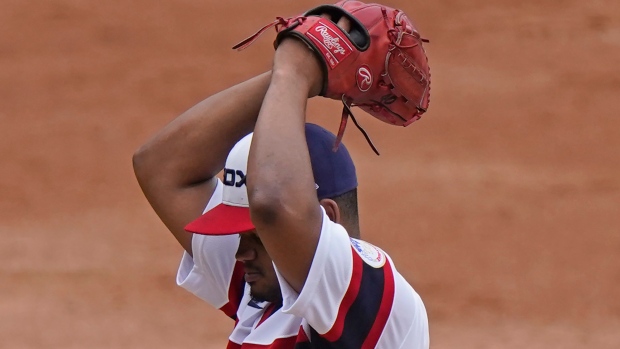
352 295
213 274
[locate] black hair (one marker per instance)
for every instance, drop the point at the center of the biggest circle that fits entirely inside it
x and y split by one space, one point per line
349 214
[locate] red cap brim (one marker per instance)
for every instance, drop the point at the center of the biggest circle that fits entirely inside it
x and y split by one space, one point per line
222 220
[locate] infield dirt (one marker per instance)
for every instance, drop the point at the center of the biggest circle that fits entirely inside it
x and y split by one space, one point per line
500 205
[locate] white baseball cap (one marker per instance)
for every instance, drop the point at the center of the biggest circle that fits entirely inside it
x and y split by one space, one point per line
232 216
334 174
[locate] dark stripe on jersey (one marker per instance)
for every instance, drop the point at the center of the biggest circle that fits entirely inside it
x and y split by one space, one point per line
365 319
303 345
235 291
347 301
384 310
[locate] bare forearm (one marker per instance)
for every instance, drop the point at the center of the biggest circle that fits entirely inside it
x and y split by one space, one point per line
193 147
279 151
176 168
280 183
279 144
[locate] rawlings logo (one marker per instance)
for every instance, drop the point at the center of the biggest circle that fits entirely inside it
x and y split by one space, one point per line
329 41
364 78
333 46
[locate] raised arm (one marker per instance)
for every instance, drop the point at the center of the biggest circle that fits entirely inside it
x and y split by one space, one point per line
176 168
281 189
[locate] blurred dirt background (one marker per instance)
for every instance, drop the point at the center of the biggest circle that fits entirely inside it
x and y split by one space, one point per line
500 205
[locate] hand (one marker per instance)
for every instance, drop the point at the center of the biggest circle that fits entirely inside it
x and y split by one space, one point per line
295 60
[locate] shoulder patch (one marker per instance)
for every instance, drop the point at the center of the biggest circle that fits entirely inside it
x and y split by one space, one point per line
370 254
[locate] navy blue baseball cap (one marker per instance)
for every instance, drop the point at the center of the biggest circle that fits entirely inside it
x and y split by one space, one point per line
333 171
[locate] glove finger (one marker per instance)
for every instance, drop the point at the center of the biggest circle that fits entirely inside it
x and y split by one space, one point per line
344 23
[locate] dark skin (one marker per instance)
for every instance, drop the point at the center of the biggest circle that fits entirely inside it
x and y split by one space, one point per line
283 203
258 266
283 206
259 271
177 167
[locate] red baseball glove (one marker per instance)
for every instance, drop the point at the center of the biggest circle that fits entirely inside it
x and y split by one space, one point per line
379 65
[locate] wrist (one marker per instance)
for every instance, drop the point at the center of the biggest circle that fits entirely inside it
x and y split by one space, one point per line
295 61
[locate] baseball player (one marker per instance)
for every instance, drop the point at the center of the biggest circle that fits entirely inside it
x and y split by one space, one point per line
276 248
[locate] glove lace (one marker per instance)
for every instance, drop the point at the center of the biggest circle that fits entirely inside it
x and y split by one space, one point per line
346 112
278 23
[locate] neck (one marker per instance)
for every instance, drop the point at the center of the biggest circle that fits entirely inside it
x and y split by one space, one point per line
353 228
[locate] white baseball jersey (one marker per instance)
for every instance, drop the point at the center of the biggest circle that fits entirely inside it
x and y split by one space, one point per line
353 298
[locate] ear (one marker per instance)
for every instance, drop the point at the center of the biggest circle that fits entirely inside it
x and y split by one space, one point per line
332 209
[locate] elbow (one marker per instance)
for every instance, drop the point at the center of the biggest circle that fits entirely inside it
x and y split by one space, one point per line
140 161
266 206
